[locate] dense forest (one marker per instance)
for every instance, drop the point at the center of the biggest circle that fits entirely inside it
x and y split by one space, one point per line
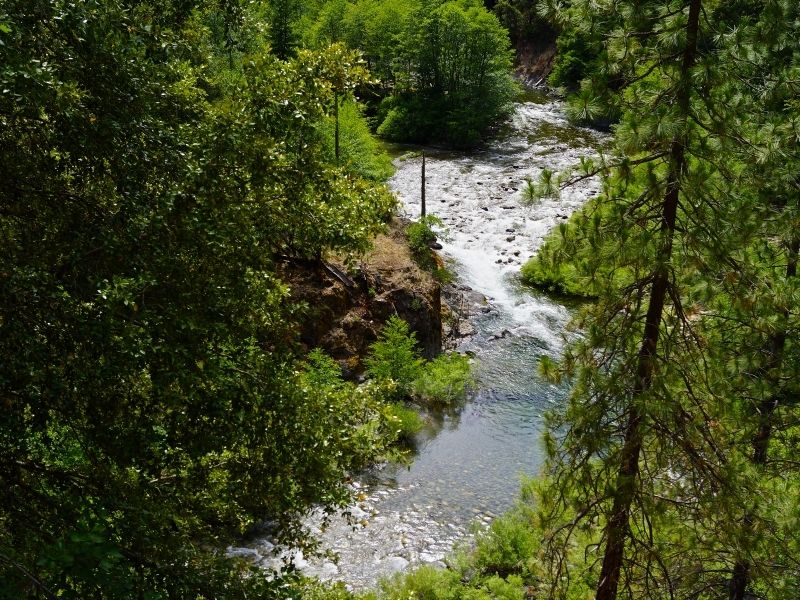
161 159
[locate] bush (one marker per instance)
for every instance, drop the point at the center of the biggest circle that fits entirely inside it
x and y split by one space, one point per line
575 59
568 264
430 583
421 235
562 280
407 421
405 118
444 379
359 152
395 356
322 371
425 583
507 546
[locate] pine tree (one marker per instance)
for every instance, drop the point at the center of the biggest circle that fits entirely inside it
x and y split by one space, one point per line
760 294
634 435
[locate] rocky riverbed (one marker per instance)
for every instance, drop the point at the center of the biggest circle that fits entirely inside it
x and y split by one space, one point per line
368 541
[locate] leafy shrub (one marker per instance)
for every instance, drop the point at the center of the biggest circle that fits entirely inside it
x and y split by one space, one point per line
359 152
322 371
568 263
444 379
313 589
507 546
395 356
421 235
505 589
430 583
403 118
425 583
562 280
575 58
407 421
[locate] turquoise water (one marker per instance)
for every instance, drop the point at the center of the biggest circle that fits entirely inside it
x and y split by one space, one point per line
469 463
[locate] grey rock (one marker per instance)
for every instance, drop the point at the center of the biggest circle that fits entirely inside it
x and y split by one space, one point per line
393 564
328 570
248 553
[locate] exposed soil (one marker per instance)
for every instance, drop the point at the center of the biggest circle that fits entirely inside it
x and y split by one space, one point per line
346 305
534 60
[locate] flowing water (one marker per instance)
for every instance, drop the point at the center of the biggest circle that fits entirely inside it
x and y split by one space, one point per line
469 462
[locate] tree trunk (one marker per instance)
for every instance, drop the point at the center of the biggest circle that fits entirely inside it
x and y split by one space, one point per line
422 194
617 528
336 126
766 409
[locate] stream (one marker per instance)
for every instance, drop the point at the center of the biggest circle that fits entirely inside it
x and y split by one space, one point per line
469 462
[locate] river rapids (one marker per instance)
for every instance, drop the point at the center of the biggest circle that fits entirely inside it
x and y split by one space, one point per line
468 463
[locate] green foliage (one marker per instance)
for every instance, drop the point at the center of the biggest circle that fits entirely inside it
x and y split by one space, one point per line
443 67
283 16
445 379
322 372
360 153
157 159
562 280
314 590
669 445
569 265
576 56
406 420
429 583
508 546
425 583
523 21
395 356
421 235
453 76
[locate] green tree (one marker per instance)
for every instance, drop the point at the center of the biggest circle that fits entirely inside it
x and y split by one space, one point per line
452 74
752 323
375 27
283 17
636 425
153 404
395 356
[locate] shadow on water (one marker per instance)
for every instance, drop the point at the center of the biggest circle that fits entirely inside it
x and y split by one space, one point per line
535 96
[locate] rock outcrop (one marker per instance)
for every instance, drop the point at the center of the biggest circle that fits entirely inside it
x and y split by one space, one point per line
345 308
534 60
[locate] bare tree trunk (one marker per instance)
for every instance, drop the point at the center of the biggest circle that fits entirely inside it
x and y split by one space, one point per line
422 197
336 126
